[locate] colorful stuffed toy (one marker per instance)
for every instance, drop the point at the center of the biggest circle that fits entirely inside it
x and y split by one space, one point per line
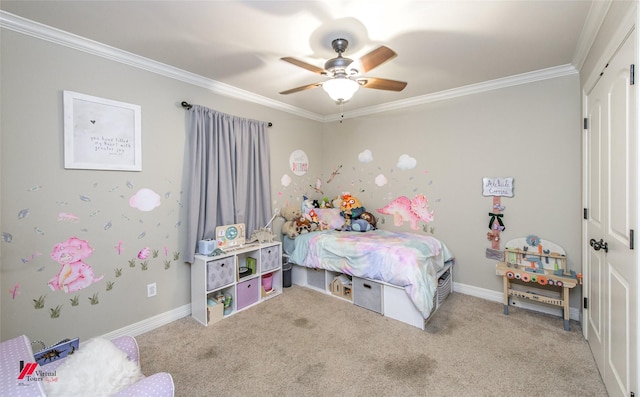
304 225
351 209
351 205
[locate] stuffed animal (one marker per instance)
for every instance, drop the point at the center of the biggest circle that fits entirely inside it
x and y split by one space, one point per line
346 226
325 203
351 209
360 225
351 205
307 205
304 225
291 214
290 230
314 216
365 223
368 216
336 202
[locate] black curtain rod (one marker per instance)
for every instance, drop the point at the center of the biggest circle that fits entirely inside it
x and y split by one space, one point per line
188 106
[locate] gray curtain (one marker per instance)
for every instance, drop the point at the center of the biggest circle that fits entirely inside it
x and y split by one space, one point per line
229 174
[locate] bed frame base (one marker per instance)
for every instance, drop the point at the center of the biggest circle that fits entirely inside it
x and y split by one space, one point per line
395 303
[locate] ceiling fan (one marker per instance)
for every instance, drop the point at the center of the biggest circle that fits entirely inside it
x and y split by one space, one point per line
343 73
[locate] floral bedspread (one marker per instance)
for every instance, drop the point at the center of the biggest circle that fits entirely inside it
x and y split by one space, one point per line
403 259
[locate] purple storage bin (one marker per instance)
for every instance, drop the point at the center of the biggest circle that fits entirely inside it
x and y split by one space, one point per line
248 293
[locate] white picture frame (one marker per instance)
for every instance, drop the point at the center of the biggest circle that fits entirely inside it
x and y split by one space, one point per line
101 134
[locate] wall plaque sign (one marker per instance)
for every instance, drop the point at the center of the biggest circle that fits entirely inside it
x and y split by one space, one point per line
497 187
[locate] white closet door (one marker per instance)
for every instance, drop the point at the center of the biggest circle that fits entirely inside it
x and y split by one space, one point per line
611 192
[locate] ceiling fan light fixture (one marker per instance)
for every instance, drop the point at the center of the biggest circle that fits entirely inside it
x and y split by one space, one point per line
340 89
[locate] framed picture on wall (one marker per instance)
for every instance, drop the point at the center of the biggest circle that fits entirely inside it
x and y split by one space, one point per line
101 134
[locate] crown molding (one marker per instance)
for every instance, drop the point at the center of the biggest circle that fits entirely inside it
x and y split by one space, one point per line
595 18
524 78
60 37
625 28
31 28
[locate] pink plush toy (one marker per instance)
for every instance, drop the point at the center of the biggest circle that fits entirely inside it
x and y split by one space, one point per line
74 274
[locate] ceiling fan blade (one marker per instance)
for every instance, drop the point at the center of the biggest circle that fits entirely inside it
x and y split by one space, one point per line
301 88
382 84
304 65
376 58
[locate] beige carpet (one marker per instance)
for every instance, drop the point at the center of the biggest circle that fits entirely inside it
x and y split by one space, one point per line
304 343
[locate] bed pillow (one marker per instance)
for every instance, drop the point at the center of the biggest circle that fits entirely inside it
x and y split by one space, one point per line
330 216
98 368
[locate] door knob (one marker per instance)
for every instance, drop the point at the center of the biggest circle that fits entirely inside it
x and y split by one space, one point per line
598 245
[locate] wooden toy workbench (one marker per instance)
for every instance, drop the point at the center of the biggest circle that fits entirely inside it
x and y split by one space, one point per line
542 268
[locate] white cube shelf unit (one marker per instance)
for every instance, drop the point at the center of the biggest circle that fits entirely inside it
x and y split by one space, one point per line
383 298
213 276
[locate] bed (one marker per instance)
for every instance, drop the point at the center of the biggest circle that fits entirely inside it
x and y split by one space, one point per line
407 266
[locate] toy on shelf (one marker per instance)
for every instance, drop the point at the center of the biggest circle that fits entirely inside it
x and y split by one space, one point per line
228 307
531 260
341 286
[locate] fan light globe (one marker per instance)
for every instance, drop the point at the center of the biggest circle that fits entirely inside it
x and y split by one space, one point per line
340 89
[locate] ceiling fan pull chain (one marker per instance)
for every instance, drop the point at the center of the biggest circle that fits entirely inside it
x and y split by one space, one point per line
341 112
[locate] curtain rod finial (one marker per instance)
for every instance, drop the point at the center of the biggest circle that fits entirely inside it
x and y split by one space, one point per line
188 106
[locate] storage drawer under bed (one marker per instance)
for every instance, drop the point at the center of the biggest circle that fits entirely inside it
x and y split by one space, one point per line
316 278
367 294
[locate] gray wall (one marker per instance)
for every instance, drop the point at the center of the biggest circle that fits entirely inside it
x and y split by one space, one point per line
529 132
34 75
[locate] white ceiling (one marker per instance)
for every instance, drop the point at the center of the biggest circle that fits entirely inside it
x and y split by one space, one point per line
441 45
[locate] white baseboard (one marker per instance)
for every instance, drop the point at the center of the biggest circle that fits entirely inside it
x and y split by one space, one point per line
497 296
151 323
165 318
